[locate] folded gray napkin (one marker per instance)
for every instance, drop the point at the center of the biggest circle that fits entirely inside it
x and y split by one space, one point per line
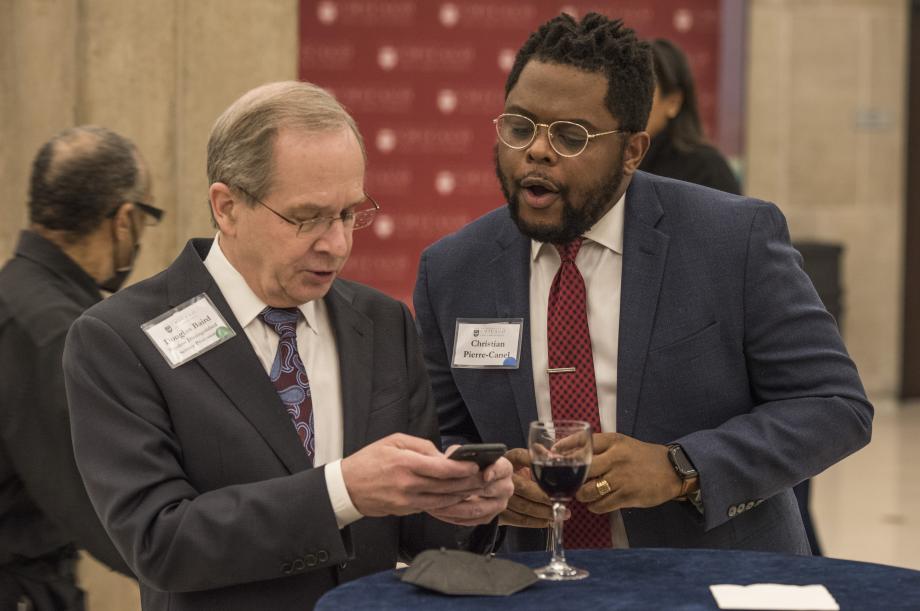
460 573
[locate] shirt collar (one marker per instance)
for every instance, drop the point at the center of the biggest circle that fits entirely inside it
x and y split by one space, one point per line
244 303
49 255
607 231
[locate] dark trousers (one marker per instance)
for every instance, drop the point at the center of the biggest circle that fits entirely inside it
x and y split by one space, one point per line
41 584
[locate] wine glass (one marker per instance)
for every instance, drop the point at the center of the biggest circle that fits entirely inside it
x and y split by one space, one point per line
560 454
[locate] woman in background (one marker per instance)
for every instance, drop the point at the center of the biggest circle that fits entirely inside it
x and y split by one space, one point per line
679 149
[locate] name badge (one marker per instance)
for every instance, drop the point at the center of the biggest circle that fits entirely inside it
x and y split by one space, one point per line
188 330
487 343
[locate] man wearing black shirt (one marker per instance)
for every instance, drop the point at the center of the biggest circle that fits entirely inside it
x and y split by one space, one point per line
89 201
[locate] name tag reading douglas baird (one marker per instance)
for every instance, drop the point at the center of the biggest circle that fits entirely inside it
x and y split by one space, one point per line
487 343
188 330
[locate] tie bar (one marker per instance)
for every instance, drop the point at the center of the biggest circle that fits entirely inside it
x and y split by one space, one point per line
561 370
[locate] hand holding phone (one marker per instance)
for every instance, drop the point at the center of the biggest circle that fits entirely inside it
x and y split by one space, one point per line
483 454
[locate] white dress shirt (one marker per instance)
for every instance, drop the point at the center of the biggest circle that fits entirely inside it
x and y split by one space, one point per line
600 261
317 348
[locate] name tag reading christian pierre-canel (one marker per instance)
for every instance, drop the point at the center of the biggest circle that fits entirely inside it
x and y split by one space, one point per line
188 330
488 343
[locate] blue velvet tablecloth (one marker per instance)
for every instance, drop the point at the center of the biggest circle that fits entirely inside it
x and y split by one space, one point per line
650 579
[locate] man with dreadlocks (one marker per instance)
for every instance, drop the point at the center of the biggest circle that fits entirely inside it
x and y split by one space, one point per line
675 318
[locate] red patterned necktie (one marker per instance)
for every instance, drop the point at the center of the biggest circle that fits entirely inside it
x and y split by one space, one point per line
573 395
290 376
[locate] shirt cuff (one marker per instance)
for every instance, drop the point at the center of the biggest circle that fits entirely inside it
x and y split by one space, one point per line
345 511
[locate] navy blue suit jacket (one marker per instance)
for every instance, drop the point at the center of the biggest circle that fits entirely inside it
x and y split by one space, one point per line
724 347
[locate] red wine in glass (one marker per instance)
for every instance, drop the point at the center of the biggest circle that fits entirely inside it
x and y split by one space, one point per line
560 479
560 454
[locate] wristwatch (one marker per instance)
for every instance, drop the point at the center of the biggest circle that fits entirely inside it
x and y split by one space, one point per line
683 467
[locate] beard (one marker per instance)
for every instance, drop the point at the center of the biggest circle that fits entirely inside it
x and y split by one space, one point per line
576 220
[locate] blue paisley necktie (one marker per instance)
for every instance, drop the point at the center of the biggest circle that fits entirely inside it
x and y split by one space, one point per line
290 376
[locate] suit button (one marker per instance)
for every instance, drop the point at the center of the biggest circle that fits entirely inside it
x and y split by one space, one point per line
286 568
343 565
311 559
299 565
758 502
749 505
322 555
740 507
732 511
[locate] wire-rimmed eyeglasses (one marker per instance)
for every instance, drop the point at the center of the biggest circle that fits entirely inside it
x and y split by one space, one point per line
567 138
358 216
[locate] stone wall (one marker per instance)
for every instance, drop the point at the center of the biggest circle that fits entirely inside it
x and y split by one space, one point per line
157 72
825 139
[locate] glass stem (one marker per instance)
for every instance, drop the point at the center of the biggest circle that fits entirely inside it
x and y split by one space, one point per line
556 541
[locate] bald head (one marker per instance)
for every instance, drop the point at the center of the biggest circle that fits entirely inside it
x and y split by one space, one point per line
81 175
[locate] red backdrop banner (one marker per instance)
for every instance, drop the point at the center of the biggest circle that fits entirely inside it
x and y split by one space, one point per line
425 78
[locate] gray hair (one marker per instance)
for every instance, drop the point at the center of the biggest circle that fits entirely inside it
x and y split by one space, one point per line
242 140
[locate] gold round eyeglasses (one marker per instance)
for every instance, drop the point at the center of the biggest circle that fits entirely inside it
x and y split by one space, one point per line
567 138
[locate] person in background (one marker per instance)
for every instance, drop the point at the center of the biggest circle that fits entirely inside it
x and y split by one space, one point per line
89 202
253 429
679 148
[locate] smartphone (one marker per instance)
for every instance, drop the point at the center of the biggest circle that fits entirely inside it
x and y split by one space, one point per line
483 454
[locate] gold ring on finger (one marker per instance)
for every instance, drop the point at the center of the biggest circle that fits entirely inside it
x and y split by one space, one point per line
603 487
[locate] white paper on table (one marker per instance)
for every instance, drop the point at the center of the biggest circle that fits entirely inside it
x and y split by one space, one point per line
774 596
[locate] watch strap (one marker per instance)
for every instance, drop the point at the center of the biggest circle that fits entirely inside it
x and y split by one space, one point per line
685 487
685 470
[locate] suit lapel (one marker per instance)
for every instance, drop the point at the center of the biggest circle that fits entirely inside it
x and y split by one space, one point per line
645 251
354 337
510 273
234 366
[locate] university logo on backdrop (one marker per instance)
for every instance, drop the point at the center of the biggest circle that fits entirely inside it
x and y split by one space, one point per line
425 78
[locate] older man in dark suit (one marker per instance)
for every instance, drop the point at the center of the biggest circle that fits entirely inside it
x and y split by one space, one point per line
675 318
250 428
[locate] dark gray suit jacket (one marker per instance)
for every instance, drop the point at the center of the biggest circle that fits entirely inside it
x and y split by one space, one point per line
724 347
197 472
